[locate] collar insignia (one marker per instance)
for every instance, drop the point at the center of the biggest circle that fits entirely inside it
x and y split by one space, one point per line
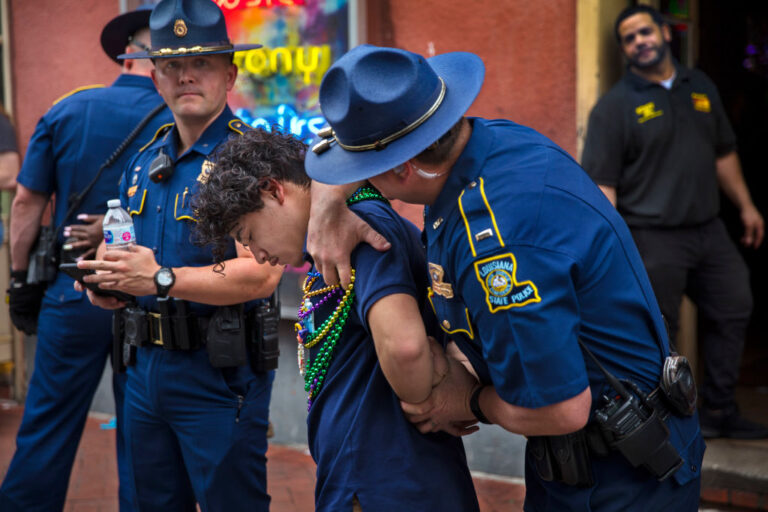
436 273
502 290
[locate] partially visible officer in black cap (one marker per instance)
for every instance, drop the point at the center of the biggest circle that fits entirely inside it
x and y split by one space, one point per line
199 384
70 143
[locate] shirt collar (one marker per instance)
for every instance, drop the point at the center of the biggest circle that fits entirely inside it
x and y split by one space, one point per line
128 80
637 82
215 134
466 169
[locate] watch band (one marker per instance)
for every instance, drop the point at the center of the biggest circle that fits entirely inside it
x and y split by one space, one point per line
474 405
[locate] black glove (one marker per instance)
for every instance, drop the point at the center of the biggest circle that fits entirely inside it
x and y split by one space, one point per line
24 302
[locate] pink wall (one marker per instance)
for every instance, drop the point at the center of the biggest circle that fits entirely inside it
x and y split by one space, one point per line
529 50
54 49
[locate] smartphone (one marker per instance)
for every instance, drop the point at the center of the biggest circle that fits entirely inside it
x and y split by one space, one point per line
77 274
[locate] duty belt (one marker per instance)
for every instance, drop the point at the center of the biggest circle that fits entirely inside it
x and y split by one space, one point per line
172 332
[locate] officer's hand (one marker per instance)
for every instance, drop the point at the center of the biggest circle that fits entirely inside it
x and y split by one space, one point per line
447 407
334 232
754 227
89 235
100 300
24 302
132 271
453 351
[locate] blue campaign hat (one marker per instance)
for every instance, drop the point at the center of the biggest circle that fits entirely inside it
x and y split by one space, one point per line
117 33
385 106
184 28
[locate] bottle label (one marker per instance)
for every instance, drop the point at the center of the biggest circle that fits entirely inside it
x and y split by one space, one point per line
119 235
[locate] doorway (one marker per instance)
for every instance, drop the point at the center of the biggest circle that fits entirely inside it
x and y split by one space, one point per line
733 52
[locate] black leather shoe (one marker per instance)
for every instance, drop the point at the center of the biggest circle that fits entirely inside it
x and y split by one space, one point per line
729 423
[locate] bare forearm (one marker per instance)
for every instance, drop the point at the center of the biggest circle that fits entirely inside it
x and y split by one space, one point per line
243 280
26 213
731 180
561 418
402 346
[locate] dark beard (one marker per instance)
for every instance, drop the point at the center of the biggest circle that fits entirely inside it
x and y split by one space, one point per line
661 52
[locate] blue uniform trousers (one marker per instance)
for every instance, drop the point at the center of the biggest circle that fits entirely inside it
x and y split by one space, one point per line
73 343
196 433
618 487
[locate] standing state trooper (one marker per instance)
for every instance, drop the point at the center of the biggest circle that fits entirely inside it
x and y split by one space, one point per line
71 141
535 277
197 410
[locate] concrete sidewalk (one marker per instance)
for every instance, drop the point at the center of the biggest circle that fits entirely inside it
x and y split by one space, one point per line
291 472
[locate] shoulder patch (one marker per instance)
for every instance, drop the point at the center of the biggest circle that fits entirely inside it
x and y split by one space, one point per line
160 131
497 276
79 89
238 126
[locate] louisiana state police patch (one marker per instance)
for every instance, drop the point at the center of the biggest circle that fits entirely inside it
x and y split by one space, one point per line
502 290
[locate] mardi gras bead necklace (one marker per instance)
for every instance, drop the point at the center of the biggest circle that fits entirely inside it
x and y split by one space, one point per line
331 329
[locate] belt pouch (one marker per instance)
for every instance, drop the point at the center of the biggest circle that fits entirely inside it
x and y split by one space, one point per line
226 340
116 357
571 460
265 345
135 327
166 323
537 446
182 332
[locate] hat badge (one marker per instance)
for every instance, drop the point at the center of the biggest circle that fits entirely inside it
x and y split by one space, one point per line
180 28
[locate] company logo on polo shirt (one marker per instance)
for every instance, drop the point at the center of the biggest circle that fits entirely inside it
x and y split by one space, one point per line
647 112
502 290
701 102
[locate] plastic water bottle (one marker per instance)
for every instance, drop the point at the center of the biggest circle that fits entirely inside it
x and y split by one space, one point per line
118 227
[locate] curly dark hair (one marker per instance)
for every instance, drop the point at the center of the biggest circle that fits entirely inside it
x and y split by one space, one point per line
241 167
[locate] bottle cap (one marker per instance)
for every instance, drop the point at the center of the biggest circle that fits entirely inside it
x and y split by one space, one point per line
113 203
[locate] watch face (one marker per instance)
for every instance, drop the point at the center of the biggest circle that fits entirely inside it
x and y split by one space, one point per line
164 277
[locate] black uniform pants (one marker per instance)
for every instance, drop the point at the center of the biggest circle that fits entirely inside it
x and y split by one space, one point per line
703 263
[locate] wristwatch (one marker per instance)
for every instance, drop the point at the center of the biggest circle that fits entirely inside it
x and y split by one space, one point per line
164 279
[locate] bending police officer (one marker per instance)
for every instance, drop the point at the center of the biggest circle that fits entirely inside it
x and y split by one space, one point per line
198 411
521 286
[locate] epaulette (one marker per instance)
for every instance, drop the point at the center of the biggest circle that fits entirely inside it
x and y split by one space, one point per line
160 131
238 126
75 91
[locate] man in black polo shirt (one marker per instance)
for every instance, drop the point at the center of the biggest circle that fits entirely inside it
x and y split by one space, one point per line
659 144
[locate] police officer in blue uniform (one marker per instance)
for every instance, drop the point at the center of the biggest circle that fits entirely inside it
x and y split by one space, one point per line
70 143
197 410
535 277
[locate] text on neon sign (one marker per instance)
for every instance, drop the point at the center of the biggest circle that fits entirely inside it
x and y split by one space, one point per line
310 62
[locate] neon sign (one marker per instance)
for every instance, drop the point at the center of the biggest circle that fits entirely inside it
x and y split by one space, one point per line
230 5
305 127
279 83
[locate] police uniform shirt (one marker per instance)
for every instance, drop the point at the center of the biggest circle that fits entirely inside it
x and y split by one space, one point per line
162 212
74 138
658 148
7 135
526 255
358 436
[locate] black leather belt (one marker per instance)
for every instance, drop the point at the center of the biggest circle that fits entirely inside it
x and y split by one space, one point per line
142 328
